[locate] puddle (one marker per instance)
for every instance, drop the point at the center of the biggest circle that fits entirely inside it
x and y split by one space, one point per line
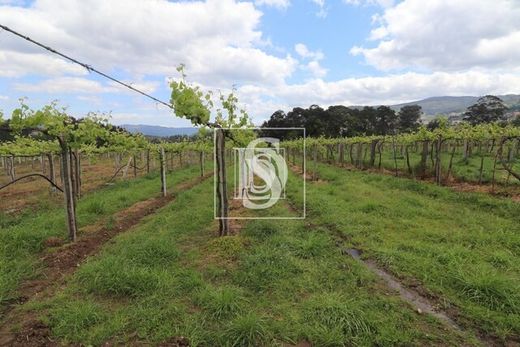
418 301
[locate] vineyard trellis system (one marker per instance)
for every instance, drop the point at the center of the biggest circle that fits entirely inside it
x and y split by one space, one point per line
425 153
49 135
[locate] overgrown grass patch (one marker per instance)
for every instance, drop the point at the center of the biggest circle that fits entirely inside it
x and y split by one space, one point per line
289 283
463 247
22 237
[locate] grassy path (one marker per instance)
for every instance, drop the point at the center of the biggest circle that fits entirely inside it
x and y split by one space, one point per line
171 280
460 249
23 238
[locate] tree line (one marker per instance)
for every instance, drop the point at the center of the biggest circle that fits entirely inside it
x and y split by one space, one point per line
343 121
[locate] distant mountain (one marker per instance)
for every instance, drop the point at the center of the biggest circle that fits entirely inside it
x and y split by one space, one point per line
452 104
159 131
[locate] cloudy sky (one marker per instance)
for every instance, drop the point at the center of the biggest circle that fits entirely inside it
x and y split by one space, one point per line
277 53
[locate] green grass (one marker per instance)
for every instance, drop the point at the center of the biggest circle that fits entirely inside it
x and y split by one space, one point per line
462 247
277 282
22 236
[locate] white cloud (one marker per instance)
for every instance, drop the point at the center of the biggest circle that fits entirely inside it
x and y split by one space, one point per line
147 86
471 45
215 38
68 85
388 90
322 12
16 64
313 66
282 4
446 35
316 69
382 3
304 52
4 97
79 85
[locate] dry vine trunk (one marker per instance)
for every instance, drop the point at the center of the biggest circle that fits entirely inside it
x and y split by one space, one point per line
201 159
52 172
341 153
424 158
162 159
438 167
220 152
148 161
373 145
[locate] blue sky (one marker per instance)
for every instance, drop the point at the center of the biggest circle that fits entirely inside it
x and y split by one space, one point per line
277 53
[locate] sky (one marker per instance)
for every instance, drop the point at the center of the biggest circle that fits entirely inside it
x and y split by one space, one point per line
277 54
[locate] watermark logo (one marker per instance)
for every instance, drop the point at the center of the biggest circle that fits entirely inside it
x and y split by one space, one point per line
262 173
261 164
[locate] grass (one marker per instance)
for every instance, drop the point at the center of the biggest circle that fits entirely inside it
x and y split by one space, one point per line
277 282
22 236
463 247
463 170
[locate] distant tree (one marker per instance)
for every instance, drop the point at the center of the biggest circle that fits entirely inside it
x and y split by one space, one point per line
4 134
316 120
368 120
342 121
409 118
516 121
386 121
277 120
353 124
337 116
487 109
438 122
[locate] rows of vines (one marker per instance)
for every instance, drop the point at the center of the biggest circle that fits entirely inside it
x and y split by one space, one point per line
482 154
60 144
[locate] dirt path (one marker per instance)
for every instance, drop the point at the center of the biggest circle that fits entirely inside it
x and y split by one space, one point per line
63 261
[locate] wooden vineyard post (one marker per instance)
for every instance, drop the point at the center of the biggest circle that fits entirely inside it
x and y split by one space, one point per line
42 164
135 166
220 152
481 169
68 192
11 168
127 166
373 145
395 157
77 172
163 171
201 156
52 172
359 155
494 171
438 161
341 154
424 157
315 162
147 161
380 150
407 153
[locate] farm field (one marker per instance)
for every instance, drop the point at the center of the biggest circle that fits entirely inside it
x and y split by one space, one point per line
169 280
259 173
26 235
